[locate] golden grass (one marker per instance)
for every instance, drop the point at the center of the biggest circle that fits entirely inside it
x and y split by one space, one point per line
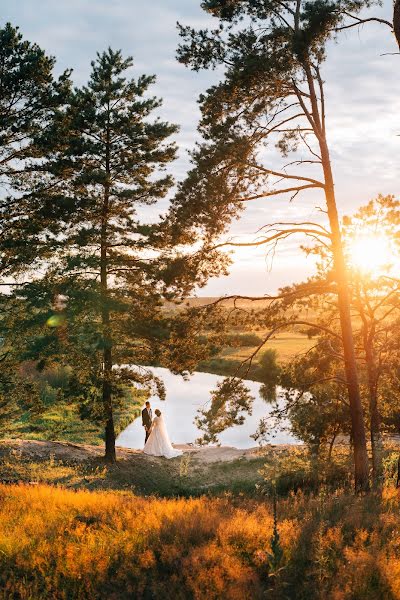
287 345
60 544
56 543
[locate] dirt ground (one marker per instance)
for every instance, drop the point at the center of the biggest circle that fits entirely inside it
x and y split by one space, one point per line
66 451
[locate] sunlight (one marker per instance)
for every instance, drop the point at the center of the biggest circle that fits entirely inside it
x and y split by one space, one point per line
371 253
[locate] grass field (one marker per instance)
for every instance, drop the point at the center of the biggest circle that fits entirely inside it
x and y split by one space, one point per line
189 476
286 344
229 360
65 542
61 421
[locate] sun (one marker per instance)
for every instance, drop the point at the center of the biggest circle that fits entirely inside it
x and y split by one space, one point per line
371 253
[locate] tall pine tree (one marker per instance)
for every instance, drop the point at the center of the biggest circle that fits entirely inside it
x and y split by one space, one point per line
29 98
272 93
103 289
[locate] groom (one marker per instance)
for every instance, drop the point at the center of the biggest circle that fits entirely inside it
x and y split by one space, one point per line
147 419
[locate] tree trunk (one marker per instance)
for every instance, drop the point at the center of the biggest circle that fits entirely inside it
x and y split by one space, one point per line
110 454
361 468
396 21
376 438
368 336
317 121
376 441
331 444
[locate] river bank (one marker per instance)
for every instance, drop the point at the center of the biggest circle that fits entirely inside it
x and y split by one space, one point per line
80 466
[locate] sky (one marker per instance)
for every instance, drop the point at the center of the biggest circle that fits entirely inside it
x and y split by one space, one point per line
362 96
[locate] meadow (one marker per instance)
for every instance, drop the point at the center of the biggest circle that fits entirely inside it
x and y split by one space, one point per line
287 345
165 530
62 544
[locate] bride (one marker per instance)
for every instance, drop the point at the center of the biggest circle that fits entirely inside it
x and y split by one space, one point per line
158 443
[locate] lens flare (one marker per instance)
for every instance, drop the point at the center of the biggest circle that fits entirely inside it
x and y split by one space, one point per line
55 321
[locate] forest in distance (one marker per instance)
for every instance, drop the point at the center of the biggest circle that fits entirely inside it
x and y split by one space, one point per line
106 258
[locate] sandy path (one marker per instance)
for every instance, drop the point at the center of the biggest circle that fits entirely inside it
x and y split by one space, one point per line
66 451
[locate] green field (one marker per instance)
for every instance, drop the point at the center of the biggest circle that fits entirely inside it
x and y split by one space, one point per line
287 345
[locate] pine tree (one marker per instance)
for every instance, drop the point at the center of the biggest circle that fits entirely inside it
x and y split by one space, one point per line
272 93
103 291
29 98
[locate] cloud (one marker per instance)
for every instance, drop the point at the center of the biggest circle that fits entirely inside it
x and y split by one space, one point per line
363 100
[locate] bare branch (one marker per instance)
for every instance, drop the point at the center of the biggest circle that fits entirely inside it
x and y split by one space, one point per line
276 192
297 224
359 21
268 240
286 175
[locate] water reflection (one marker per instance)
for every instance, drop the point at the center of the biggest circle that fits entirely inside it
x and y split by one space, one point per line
184 398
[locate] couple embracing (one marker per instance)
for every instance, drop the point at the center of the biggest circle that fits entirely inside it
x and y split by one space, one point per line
157 441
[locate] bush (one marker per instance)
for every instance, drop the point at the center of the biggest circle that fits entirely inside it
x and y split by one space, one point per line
242 339
292 470
222 366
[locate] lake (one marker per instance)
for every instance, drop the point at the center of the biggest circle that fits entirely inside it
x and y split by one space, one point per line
185 398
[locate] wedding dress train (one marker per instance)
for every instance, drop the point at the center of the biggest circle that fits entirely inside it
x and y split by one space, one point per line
158 443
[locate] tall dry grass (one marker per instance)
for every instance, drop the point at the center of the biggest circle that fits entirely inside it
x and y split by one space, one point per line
60 544
56 543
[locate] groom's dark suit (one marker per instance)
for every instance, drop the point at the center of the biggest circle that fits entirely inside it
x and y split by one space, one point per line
147 419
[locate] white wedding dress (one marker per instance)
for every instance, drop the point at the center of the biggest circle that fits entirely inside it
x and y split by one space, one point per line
158 442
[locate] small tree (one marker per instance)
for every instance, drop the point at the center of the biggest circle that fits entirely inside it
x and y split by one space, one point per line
269 373
316 402
374 298
229 404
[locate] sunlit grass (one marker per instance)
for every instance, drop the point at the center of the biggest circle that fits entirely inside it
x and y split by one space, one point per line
287 344
135 472
56 543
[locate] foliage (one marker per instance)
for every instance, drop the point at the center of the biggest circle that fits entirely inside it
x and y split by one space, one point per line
267 52
315 397
98 307
315 381
29 98
227 404
227 367
269 372
276 555
16 396
295 469
271 92
242 339
62 421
